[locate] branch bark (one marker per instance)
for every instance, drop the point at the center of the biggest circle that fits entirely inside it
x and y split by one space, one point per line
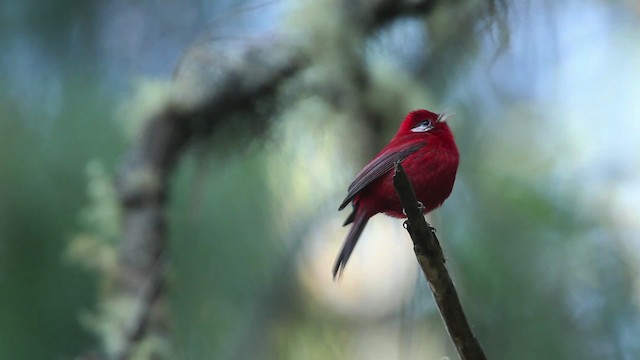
431 260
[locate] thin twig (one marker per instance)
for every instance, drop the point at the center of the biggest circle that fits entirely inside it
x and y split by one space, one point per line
431 260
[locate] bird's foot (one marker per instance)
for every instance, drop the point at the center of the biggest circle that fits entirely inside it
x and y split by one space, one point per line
420 207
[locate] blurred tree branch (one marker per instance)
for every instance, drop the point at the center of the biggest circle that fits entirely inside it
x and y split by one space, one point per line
239 85
431 260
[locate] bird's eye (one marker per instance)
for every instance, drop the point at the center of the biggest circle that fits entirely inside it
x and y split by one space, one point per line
423 126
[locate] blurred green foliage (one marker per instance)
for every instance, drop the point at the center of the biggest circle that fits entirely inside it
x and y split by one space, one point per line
541 275
42 189
220 265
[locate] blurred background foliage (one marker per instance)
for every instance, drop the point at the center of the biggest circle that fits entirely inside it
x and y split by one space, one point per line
541 232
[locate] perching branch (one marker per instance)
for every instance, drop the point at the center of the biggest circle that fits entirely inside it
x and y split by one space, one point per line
431 260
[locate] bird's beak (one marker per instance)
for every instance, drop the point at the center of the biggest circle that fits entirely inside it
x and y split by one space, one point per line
444 117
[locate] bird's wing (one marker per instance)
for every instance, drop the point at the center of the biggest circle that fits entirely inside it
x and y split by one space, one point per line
379 166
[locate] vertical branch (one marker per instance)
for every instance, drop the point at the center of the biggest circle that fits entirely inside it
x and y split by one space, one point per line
142 188
431 260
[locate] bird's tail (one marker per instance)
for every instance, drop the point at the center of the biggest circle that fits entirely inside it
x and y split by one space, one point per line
359 219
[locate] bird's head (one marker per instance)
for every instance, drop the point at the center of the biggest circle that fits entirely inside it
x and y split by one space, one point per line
424 122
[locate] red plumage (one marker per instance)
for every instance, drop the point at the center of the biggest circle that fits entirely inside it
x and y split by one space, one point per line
429 156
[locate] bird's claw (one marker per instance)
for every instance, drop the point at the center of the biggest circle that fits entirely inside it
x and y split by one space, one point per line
420 207
406 226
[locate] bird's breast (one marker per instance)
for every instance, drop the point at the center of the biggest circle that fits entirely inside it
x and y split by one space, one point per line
432 175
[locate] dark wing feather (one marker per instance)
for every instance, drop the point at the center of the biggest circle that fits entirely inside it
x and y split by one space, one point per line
378 167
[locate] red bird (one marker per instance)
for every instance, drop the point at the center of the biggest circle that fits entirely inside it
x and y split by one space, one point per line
429 156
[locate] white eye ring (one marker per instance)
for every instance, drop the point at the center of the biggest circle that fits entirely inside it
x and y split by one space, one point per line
423 126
